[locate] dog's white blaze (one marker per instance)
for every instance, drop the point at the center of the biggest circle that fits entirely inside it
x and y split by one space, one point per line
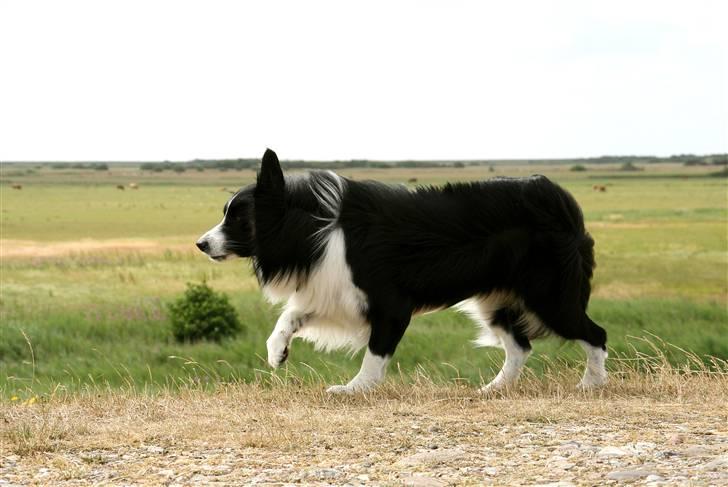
372 371
329 296
215 237
515 360
595 373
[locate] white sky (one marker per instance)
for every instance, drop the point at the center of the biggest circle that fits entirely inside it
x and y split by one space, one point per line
153 80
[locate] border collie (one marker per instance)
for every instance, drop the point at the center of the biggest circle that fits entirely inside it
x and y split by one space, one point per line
354 260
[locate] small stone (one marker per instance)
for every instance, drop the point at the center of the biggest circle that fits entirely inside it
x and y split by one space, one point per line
569 445
217 469
612 451
422 481
716 464
166 473
695 451
654 478
431 456
157 450
676 439
628 474
327 473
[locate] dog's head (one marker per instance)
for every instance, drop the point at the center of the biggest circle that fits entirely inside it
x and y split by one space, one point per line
234 236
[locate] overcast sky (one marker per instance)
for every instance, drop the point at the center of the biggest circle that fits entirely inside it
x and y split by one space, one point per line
177 80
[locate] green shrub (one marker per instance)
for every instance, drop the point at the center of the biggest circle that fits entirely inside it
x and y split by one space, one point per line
628 166
201 314
577 168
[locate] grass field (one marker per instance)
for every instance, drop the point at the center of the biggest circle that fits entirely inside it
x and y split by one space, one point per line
87 270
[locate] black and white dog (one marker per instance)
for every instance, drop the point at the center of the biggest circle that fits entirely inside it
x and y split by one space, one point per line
354 260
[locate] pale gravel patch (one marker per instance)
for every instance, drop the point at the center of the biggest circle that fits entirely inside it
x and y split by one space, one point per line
434 435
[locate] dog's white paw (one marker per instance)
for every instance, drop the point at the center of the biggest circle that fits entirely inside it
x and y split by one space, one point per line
277 351
492 388
592 381
341 389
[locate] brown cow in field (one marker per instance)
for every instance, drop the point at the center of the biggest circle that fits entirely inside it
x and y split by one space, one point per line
17 186
600 187
120 187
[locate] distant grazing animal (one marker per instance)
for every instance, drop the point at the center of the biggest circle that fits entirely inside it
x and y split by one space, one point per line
120 186
17 186
412 180
355 260
599 187
133 185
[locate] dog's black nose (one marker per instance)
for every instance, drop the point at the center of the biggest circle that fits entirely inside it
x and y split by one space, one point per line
202 245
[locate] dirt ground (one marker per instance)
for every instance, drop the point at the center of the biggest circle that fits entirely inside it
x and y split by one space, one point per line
31 248
400 435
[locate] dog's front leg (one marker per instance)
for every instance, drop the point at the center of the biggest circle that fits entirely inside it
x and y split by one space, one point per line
372 371
277 344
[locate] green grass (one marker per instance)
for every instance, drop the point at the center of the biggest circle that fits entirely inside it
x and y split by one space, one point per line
132 344
97 317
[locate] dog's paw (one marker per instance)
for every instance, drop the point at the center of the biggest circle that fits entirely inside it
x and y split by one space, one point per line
494 388
341 389
592 382
277 352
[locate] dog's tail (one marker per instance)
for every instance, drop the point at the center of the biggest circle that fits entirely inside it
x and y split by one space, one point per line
557 216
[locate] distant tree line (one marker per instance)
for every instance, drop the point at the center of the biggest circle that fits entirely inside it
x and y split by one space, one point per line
98 166
241 164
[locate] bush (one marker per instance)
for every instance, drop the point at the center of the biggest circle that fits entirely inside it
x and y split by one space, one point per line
201 314
628 166
577 168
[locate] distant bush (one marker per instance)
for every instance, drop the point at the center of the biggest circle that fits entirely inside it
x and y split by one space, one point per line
179 169
628 166
459 164
577 168
202 314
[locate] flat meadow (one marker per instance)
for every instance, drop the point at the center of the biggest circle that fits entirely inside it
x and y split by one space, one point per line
88 269
95 390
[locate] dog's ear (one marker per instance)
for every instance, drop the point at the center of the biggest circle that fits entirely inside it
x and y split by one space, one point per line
270 176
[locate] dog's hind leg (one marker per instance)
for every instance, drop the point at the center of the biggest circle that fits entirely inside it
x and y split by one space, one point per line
594 344
279 340
516 345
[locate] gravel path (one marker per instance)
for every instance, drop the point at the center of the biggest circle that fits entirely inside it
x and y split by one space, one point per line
251 436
